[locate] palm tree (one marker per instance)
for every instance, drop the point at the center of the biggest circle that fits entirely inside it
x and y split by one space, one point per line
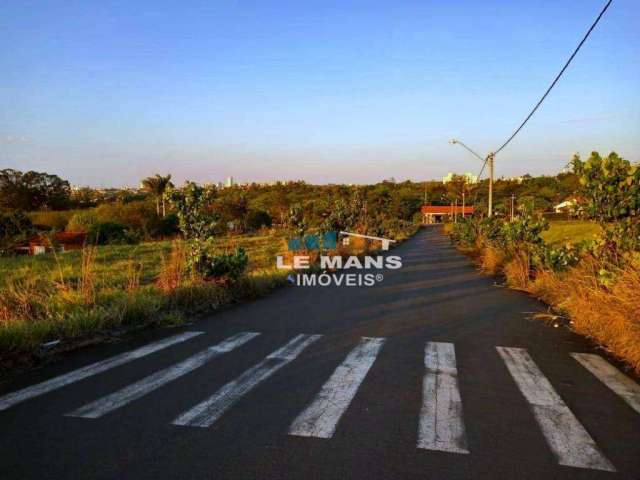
157 186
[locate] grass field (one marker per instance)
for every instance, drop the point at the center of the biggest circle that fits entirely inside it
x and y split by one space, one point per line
75 296
114 262
570 231
87 296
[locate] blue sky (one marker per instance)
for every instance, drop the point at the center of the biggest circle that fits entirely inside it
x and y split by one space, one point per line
107 92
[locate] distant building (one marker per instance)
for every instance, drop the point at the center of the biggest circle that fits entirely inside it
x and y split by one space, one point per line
229 182
60 242
439 213
513 179
568 206
468 176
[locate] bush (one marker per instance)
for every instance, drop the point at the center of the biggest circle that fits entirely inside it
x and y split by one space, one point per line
52 219
110 233
82 221
138 216
257 219
227 266
15 228
163 227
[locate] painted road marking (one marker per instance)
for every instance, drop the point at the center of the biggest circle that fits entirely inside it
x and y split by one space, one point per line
611 377
91 370
441 425
567 438
322 415
156 380
207 412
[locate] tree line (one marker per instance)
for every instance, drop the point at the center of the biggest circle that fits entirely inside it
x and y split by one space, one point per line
33 201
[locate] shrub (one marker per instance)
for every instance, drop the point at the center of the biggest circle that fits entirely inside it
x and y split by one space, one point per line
257 219
82 221
163 226
15 228
226 266
558 259
110 233
465 232
52 219
138 217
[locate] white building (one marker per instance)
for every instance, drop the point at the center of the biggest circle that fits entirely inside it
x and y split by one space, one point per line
229 182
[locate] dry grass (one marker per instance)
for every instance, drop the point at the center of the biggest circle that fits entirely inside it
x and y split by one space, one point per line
87 280
23 299
517 271
134 272
172 269
611 316
492 260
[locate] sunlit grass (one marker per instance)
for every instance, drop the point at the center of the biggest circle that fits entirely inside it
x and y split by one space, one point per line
570 231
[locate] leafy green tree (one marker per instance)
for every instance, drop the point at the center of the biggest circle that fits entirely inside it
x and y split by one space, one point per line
32 190
611 189
610 185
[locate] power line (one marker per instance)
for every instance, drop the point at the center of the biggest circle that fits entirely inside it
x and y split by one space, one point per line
482 169
556 79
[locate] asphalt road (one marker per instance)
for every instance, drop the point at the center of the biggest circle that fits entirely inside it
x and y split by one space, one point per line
399 380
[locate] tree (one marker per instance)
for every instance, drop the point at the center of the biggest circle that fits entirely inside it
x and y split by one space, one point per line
611 186
158 186
32 190
257 219
15 227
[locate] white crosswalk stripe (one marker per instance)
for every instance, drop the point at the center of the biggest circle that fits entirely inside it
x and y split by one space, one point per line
611 377
209 411
441 424
156 380
321 417
90 370
567 438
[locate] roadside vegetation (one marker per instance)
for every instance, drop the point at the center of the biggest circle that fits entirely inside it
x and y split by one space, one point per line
169 255
588 270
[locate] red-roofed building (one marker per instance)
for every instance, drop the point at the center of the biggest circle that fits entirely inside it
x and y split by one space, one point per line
62 241
438 213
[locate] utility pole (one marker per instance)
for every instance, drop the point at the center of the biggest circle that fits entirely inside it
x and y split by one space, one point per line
455 211
490 162
513 199
463 202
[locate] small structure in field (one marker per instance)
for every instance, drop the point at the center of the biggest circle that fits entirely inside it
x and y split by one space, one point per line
439 213
568 206
60 241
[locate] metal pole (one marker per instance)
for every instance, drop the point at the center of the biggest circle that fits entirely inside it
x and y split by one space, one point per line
490 162
513 198
455 211
463 202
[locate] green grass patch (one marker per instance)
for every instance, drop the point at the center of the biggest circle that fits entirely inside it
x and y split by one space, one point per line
570 231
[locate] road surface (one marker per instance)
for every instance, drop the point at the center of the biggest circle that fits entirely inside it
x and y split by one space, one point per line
434 372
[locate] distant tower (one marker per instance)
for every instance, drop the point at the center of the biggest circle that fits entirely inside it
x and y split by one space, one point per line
229 182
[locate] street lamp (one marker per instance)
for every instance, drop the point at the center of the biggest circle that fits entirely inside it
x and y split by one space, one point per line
489 161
